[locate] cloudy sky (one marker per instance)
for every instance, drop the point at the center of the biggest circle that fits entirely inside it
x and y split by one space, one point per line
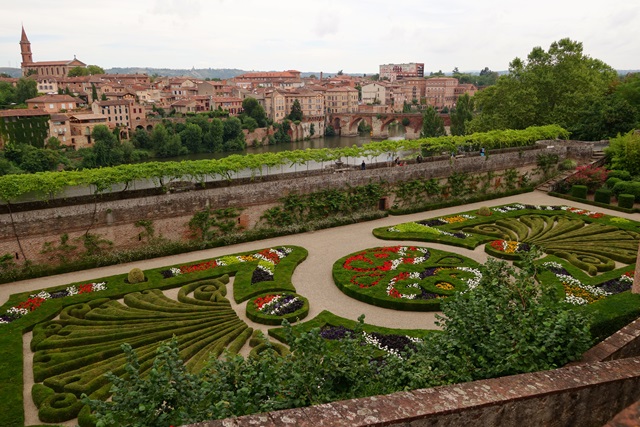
355 36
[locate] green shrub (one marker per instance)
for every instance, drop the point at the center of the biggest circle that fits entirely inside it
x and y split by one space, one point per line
484 211
612 181
40 393
579 191
135 276
626 200
59 407
602 195
622 175
567 165
627 187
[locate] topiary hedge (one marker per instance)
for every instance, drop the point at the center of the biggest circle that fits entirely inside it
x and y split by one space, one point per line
626 201
579 191
602 195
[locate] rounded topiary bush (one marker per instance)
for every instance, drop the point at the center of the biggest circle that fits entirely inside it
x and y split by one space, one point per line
626 201
135 276
484 211
602 195
579 191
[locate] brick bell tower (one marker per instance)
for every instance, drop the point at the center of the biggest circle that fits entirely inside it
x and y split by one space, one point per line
25 51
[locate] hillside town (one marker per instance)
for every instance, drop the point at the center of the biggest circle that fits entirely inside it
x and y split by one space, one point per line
68 108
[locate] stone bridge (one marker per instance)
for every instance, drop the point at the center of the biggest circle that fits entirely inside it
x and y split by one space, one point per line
347 124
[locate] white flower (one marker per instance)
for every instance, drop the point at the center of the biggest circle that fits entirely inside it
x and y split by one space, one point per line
552 264
99 286
473 281
72 290
175 271
393 230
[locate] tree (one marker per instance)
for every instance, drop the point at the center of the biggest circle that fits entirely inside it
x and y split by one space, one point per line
232 129
213 140
461 115
141 139
550 87
8 97
191 138
107 149
508 324
432 123
340 73
26 89
253 109
605 118
437 74
94 69
78 72
94 92
456 72
296 111
624 152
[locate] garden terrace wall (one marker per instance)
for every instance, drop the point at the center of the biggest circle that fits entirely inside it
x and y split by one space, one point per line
584 395
170 212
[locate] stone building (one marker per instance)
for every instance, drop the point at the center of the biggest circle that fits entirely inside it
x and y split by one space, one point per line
44 68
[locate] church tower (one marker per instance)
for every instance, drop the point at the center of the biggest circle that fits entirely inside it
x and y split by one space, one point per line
25 51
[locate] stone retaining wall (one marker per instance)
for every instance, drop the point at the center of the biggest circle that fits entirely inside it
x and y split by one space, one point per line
585 395
114 219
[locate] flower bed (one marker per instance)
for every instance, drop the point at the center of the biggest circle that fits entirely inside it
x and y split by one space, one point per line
405 277
273 308
36 300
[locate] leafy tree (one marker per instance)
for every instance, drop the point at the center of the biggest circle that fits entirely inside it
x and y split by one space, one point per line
296 111
439 73
461 115
94 92
249 123
432 123
78 72
191 138
7 167
107 148
103 97
8 96
253 109
312 129
141 139
214 139
329 131
94 69
232 129
550 87
39 159
624 153
26 89
508 324
605 118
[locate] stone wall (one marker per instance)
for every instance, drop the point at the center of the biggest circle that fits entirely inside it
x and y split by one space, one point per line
170 213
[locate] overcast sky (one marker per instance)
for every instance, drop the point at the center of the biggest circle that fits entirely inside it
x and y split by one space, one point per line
355 36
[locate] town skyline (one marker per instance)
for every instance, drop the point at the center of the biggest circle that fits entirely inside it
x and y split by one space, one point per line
352 36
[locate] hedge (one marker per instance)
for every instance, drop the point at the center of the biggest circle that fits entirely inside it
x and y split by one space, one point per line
259 316
579 191
628 187
602 195
626 201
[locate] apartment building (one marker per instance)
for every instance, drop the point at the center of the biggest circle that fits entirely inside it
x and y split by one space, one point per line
54 103
340 100
374 93
394 72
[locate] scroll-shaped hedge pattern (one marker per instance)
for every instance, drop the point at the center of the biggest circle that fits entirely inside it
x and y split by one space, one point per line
593 247
72 353
591 241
